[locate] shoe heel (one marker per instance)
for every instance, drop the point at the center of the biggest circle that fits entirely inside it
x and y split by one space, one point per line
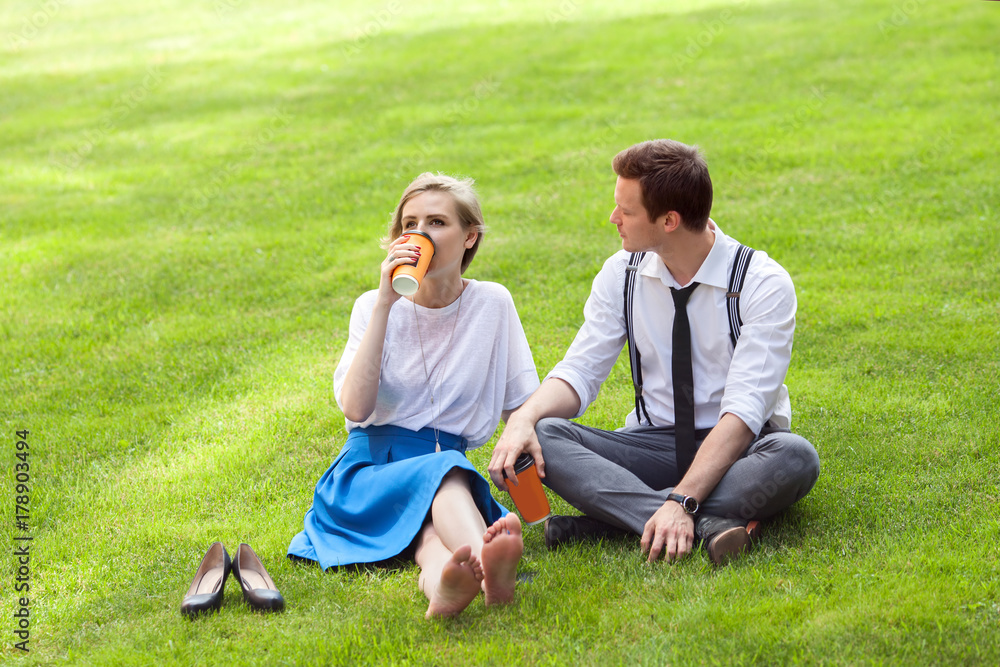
728 544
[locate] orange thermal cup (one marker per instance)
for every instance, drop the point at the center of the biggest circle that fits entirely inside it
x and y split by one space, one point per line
406 277
528 495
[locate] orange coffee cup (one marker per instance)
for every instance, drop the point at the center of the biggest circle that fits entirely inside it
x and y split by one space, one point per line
528 495
406 277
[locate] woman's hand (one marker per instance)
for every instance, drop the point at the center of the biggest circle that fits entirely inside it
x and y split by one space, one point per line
400 252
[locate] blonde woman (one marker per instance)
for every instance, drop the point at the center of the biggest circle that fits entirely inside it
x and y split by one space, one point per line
422 380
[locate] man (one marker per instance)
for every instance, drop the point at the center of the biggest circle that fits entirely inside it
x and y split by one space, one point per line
707 451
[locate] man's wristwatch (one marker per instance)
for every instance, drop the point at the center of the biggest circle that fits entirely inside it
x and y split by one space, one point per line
689 503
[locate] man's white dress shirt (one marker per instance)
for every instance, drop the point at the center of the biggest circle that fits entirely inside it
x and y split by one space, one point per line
747 382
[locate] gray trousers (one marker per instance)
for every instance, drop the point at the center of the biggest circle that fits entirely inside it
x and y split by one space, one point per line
623 477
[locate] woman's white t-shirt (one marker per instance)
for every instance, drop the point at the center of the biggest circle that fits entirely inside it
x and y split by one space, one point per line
487 368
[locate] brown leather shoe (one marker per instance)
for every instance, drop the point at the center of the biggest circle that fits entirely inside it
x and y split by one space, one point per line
205 593
258 588
725 539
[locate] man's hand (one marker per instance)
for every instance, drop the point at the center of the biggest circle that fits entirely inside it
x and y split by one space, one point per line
518 436
670 531
554 398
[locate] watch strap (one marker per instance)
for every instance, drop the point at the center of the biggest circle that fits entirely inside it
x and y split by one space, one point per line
688 503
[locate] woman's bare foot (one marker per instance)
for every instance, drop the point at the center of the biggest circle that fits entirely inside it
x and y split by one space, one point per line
502 549
459 585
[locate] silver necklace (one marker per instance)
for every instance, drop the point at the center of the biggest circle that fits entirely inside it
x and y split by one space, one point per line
435 412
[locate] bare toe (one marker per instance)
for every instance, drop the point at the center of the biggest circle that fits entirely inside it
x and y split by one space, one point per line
477 567
459 585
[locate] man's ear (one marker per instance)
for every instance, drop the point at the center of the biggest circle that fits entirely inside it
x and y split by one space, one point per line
671 221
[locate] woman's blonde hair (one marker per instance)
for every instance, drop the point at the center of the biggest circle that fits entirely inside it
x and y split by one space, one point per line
466 205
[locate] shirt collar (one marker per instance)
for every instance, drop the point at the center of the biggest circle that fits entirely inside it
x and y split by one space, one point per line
713 271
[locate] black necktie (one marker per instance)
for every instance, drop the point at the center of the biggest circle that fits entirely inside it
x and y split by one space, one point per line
683 379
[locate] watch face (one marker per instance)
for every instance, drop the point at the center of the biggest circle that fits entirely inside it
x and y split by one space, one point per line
690 505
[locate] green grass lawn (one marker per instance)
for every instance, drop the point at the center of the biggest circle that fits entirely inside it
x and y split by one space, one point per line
191 195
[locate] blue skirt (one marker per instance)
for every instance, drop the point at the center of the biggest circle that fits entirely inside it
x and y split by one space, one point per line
370 505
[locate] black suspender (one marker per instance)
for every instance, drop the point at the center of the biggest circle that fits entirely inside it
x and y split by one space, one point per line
736 278
633 351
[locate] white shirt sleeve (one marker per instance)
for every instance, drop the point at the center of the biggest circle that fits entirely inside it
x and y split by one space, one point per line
600 340
755 386
522 377
359 323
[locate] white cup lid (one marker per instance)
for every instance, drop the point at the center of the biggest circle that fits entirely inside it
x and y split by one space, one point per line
405 284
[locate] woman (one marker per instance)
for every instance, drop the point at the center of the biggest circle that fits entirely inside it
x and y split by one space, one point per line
422 379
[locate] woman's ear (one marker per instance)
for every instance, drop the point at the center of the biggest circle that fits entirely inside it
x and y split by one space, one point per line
470 238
